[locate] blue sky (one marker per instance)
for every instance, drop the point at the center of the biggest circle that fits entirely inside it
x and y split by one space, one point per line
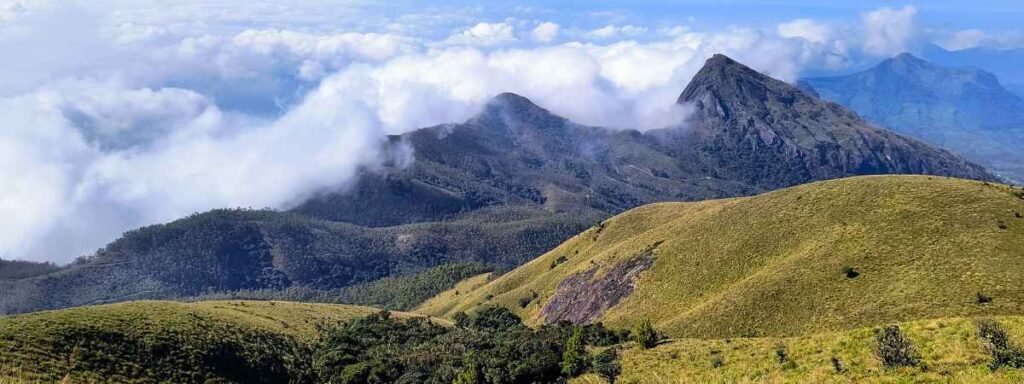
117 114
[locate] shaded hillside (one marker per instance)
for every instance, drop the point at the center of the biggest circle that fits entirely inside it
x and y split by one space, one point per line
951 350
151 341
501 188
824 256
964 109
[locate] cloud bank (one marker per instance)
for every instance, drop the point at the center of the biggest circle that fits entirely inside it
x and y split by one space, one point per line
171 113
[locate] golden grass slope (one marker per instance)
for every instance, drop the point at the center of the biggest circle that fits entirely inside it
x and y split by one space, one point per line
772 265
52 345
950 350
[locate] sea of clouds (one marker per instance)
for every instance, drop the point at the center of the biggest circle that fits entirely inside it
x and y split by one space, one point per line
114 117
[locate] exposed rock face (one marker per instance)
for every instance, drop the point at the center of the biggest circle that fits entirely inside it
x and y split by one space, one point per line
581 298
772 134
964 109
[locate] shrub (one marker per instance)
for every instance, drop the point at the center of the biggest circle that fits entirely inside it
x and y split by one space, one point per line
526 300
461 320
574 358
983 298
837 364
1003 351
1002 225
558 261
643 333
783 356
606 364
717 362
894 349
850 272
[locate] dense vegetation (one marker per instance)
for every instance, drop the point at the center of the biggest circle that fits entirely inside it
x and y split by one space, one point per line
226 251
492 346
150 341
18 269
832 255
393 293
275 342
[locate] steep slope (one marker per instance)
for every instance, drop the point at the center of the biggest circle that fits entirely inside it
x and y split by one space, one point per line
151 341
768 132
501 188
963 109
824 256
1004 63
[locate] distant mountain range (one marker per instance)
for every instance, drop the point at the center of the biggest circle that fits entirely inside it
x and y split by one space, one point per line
1007 64
965 109
500 189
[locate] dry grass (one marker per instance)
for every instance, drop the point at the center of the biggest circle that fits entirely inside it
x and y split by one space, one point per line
951 352
771 265
33 346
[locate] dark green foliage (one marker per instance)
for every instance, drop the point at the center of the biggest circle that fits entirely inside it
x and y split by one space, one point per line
575 357
526 300
561 259
717 362
982 298
606 364
247 253
850 272
461 320
393 293
894 349
837 364
782 355
492 347
18 269
1004 352
495 319
643 333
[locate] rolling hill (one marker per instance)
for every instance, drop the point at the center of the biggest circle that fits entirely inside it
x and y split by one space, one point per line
501 188
153 341
964 109
825 256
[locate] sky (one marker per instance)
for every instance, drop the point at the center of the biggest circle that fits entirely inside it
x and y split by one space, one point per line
120 114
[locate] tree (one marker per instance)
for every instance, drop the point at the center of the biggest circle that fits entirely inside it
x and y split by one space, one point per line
606 364
643 333
574 358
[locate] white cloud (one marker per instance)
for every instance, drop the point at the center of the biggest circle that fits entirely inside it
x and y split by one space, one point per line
611 31
889 31
485 34
189 109
806 29
545 32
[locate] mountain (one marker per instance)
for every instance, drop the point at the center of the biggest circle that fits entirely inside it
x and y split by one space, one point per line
1004 63
501 188
821 257
964 109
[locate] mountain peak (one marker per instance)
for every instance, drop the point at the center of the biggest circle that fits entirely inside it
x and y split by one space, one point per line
724 85
509 107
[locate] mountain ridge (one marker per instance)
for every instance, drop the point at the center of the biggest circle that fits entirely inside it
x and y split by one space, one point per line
964 109
500 188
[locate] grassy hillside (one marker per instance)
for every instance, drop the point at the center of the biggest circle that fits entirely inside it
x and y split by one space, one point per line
150 341
950 350
825 256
